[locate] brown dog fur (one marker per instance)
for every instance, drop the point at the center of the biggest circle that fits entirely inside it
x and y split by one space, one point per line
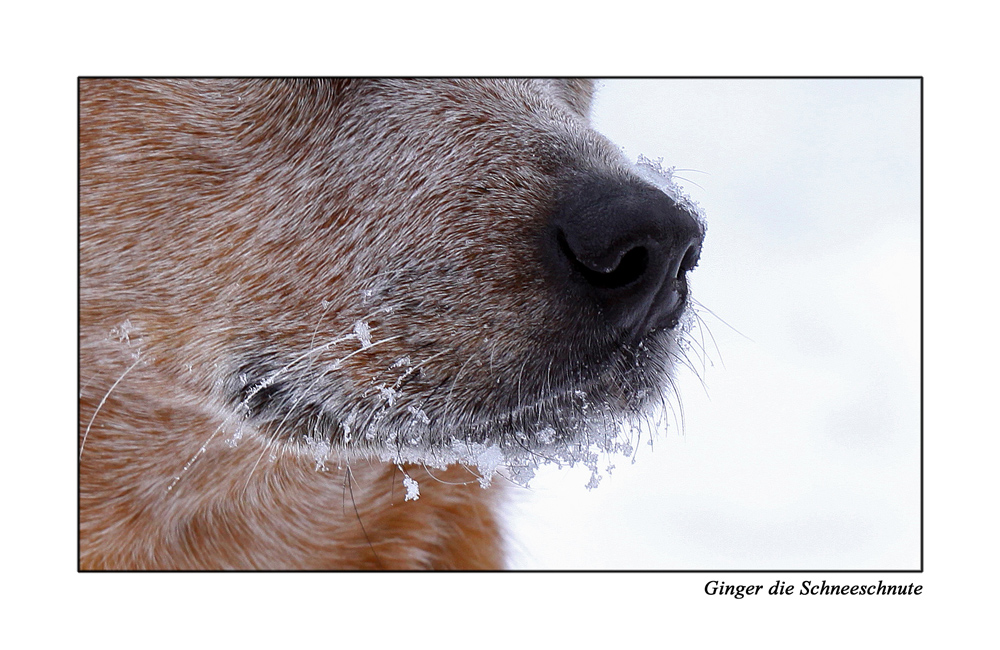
353 251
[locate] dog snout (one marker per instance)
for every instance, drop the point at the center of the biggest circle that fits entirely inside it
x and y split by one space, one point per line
624 248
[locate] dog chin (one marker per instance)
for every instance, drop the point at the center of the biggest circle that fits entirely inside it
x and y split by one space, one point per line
581 422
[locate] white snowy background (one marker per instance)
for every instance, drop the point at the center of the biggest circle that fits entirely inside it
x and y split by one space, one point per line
800 445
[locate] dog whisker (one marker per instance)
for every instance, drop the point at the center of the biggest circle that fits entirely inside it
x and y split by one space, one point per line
104 399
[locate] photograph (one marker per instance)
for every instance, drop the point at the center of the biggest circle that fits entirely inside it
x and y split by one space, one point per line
627 324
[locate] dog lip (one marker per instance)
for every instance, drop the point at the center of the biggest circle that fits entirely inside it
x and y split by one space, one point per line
561 406
560 409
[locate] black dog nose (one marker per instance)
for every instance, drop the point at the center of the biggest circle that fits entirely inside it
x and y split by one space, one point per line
626 247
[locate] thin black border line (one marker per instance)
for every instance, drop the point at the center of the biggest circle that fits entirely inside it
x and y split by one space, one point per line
920 78
618 77
921 324
79 306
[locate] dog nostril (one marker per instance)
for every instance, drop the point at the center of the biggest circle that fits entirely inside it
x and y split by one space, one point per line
630 267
